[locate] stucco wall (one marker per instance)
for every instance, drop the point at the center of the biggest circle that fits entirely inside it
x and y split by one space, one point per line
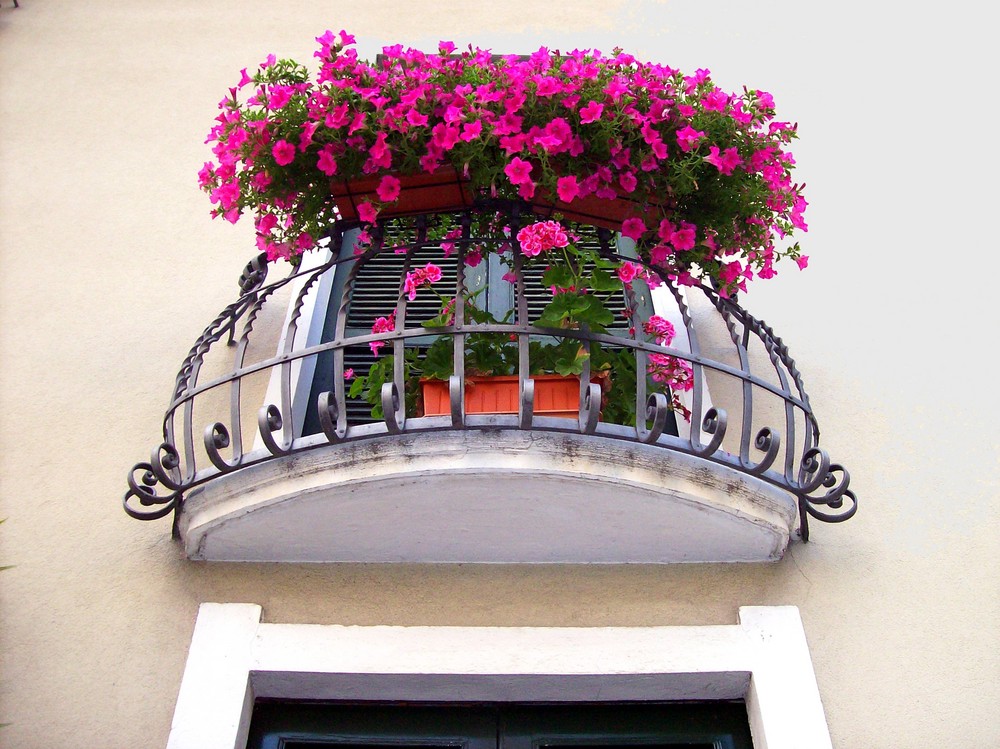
110 267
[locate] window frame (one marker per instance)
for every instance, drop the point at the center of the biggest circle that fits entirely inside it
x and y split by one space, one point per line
235 659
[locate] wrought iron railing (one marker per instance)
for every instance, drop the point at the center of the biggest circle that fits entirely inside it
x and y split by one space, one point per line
244 396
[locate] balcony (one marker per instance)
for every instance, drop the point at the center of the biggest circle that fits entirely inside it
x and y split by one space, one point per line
267 456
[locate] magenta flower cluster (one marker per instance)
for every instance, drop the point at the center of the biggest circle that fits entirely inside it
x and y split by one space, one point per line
542 236
705 174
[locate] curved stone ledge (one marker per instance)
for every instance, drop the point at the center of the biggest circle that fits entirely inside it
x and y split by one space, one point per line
488 496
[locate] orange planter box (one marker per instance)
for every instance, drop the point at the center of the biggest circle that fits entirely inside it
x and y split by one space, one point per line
443 190
555 395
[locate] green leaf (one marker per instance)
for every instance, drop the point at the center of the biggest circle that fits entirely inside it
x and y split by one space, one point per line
563 307
558 276
602 281
593 312
438 362
566 357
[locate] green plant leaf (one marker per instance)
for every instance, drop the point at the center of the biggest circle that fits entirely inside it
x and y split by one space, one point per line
602 281
558 276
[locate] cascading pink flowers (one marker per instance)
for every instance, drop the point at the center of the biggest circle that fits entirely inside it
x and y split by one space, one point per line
570 127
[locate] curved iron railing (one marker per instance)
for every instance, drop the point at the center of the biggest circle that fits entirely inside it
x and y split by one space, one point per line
732 405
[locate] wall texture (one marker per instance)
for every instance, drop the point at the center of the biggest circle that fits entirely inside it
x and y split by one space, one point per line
110 267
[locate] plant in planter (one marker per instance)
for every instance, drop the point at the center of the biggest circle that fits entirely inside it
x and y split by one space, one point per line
581 283
699 177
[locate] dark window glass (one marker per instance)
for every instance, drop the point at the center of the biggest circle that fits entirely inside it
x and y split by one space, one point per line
714 725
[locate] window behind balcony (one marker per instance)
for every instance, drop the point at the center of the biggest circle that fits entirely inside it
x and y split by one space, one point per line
375 294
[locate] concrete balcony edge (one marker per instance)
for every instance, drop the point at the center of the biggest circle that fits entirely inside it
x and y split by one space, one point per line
488 496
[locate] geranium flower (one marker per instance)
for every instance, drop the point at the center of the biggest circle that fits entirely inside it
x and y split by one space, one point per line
629 271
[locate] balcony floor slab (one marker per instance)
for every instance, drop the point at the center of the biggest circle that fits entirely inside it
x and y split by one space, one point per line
488 496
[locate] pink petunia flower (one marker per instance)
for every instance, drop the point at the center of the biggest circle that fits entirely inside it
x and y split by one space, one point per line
327 162
685 237
726 161
567 188
518 171
367 212
633 228
283 152
591 113
388 189
688 138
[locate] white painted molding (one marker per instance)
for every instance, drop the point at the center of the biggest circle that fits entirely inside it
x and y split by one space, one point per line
234 659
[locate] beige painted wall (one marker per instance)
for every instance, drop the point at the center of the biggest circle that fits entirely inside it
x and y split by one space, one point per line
110 267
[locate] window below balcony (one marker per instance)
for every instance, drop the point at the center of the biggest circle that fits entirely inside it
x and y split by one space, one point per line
718 725
761 664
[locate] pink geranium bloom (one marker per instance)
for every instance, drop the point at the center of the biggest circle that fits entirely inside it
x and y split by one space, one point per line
661 329
427 275
629 271
542 236
382 325
283 152
388 189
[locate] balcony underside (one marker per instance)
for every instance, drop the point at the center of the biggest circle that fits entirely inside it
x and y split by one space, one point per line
488 496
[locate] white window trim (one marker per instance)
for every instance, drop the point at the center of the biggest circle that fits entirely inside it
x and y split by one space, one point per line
235 658
309 332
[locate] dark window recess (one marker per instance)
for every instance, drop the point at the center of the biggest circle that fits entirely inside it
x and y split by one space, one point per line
711 725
